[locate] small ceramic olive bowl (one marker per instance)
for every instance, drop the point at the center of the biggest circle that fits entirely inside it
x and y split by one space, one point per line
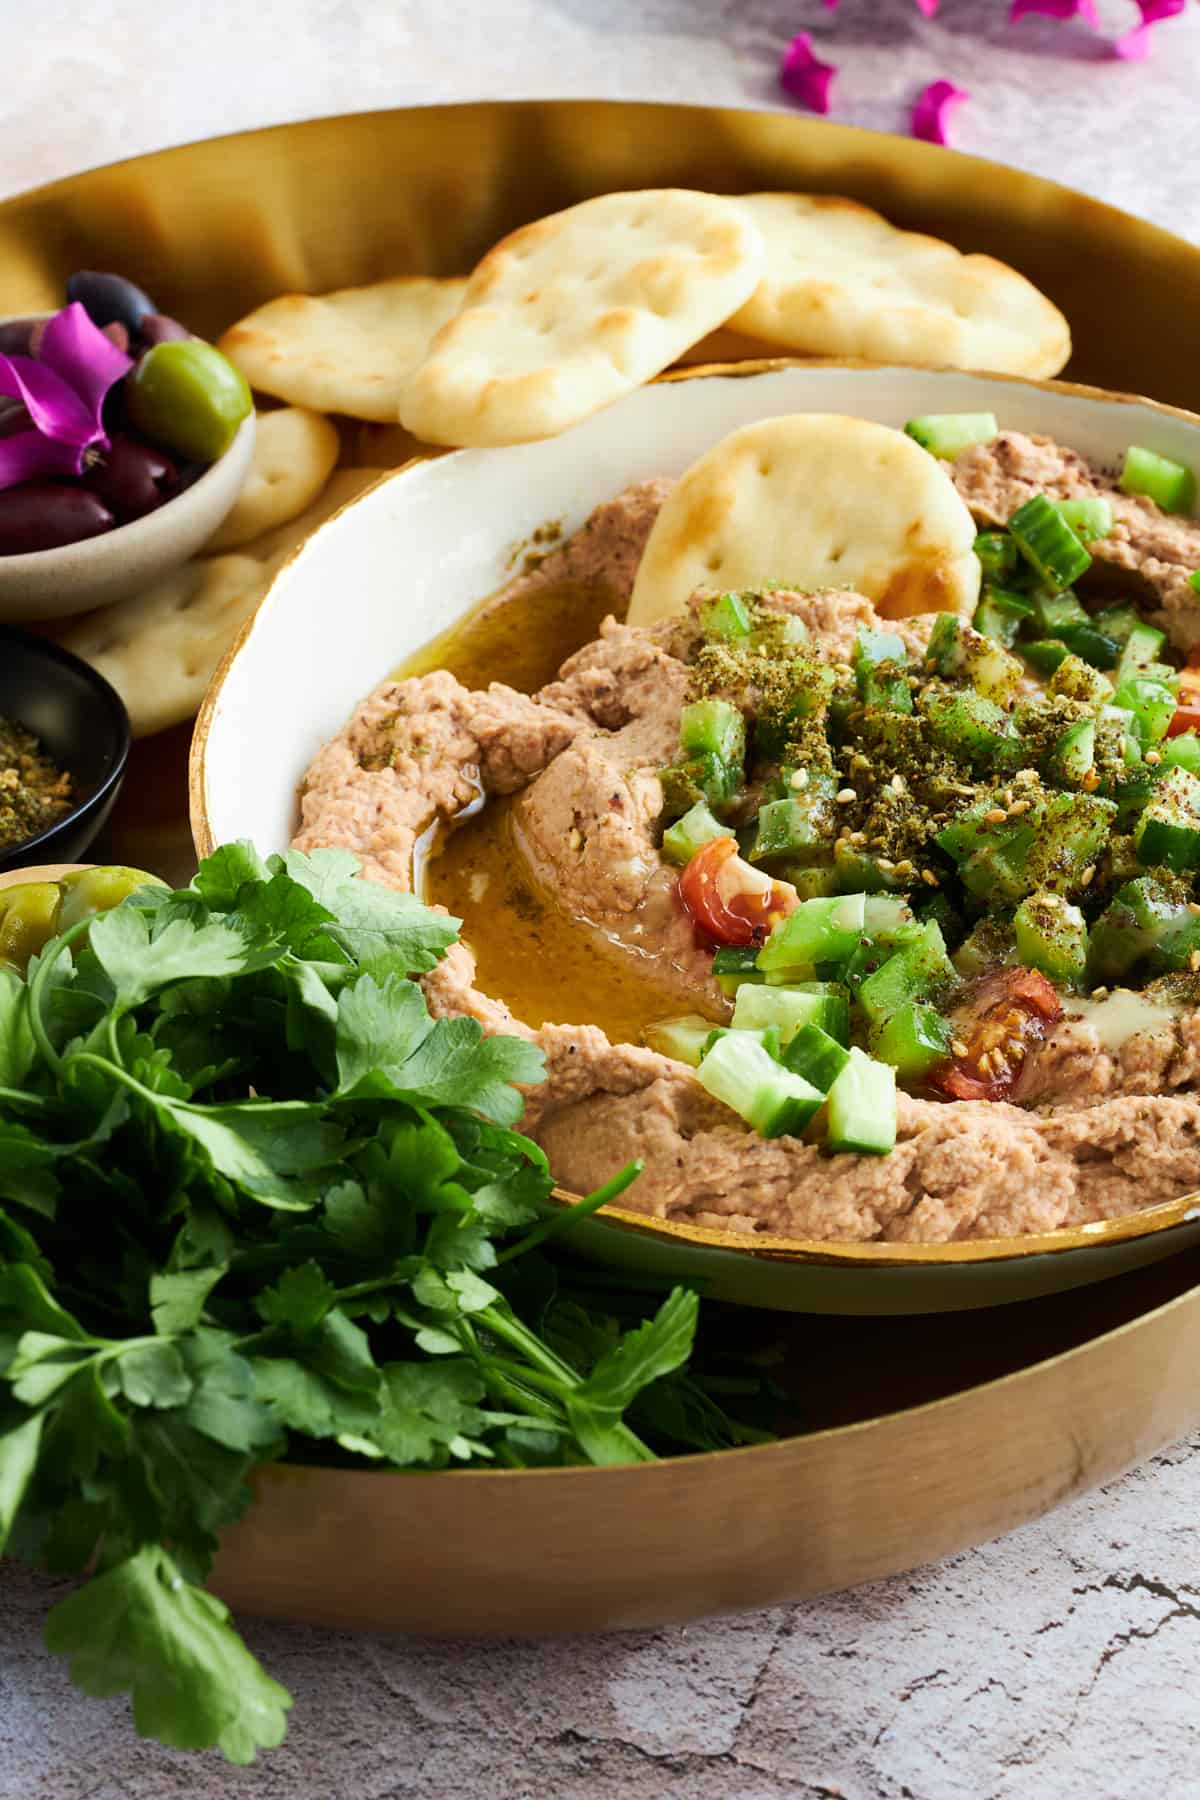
82 723
74 578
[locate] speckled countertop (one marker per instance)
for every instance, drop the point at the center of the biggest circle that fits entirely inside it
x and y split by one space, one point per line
1062 1662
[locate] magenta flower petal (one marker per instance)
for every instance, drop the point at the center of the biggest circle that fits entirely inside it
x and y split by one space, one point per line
1134 46
929 117
79 351
804 76
1056 9
28 455
928 7
52 403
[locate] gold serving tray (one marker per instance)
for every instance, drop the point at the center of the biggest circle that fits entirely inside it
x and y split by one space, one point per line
911 1437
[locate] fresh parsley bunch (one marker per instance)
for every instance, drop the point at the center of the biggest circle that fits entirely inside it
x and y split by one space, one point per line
256 1202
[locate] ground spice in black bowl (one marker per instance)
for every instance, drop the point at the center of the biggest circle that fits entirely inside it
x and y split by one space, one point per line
34 792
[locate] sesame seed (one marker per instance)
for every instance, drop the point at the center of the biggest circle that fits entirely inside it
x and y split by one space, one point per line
1008 799
898 784
887 865
958 1047
860 837
996 816
844 670
929 878
1051 900
1018 807
1091 781
859 761
906 868
985 1062
1100 993
845 796
1088 876
1153 757
800 778
1194 960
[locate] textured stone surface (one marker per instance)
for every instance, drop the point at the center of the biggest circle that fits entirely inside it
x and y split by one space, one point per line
1062 1662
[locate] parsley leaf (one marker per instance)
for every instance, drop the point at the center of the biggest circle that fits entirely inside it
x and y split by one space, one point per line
16 1033
643 1355
139 961
194 1684
455 1065
379 1025
372 921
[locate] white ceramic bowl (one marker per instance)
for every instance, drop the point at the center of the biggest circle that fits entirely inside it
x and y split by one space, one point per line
50 584
415 552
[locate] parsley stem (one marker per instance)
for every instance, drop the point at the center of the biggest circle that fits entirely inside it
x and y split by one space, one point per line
570 1215
49 957
503 1325
14 1097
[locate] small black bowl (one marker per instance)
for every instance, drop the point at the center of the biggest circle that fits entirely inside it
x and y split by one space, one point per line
82 722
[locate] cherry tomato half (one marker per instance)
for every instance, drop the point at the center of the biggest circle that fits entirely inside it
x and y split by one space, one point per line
730 901
1009 1011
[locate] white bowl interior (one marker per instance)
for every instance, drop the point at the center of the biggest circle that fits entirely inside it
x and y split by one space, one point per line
399 566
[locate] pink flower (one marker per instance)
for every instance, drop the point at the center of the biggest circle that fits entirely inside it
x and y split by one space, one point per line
62 391
929 117
1056 9
804 76
1134 46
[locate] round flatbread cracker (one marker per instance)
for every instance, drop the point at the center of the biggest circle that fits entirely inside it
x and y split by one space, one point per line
346 352
810 501
161 648
840 280
569 313
294 454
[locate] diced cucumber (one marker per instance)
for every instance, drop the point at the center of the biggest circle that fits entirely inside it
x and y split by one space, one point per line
955 649
1093 646
1182 752
999 617
1053 611
949 434
971 725
687 835
1048 543
861 1107
1171 485
914 1040
998 556
1143 645
1117 621
789 1009
919 971
713 726
989 945
1074 754
1052 936
777 630
1045 654
814 883
683 1038
966 833
858 871
1071 831
1168 831
816 1056
818 931
734 964
1075 679
1145 922
766 1035
1090 519
727 617
741 1074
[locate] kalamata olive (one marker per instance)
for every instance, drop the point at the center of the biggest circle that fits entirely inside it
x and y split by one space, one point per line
188 396
116 334
132 478
157 328
15 335
42 515
109 299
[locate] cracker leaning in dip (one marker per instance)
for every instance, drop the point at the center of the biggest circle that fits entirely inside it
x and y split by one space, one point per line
878 927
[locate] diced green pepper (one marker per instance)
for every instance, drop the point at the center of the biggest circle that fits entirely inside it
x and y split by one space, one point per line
1051 936
1143 646
1045 654
1093 646
1168 832
913 1041
919 971
818 931
1074 754
1117 621
1182 752
713 727
1001 614
1053 611
1153 707
972 725
696 828
957 650
998 556
1146 922
727 617
703 777
881 671
1076 680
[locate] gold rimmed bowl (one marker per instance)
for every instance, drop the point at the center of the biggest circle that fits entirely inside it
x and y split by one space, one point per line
421 548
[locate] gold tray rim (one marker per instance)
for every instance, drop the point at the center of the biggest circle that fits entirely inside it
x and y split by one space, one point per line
764 1247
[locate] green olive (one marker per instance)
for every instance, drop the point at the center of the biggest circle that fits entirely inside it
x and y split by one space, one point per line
87 892
28 920
188 396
